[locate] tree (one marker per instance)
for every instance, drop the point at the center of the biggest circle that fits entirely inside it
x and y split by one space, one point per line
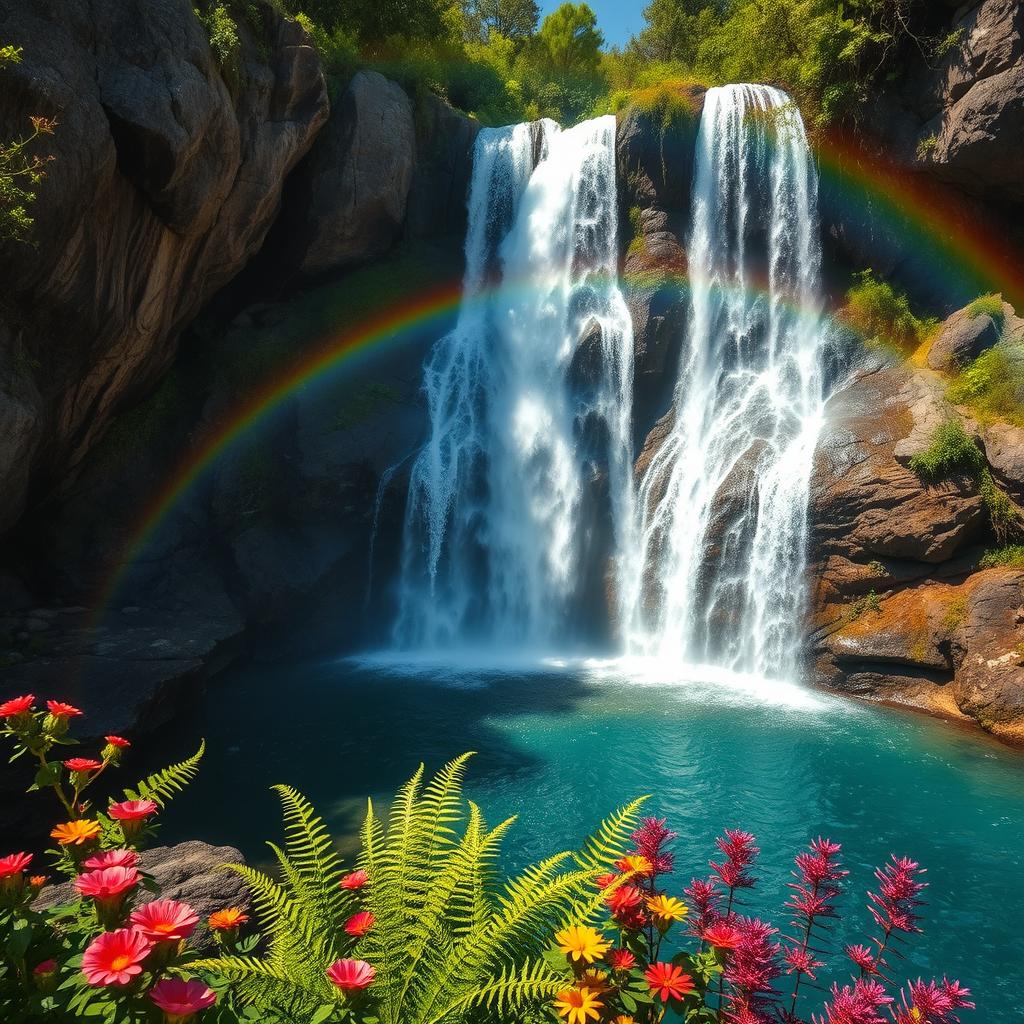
571 40
512 19
674 28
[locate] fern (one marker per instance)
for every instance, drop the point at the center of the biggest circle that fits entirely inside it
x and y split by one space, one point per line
448 943
164 784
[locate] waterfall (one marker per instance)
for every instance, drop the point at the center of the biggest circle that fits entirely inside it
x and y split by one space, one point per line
722 503
523 491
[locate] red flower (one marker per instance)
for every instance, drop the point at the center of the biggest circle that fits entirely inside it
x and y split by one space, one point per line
14 864
351 975
603 881
621 960
132 810
354 880
46 967
932 1003
112 859
181 999
722 935
60 710
740 852
17 706
114 958
752 966
801 961
705 897
625 900
107 885
117 741
359 924
668 981
165 920
82 764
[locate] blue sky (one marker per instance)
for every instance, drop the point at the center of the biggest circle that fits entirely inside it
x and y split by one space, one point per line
617 19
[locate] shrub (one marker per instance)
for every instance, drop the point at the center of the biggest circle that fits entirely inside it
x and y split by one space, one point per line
222 31
1004 515
992 386
951 450
870 602
430 935
1010 555
882 316
21 169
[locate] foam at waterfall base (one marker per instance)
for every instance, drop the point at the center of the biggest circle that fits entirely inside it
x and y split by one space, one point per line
468 668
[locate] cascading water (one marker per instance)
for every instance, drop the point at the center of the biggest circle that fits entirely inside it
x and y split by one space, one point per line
525 482
723 501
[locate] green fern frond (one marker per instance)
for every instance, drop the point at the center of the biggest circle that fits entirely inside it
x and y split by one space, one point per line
608 843
513 989
162 785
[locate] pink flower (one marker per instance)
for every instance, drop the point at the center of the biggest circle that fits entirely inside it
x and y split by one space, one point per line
894 905
14 864
114 958
17 706
359 924
856 1004
61 710
82 764
650 839
46 967
740 853
800 961
107 886
132 810
181 999
932 1003
354 880
863 958
705 897
165 920
112 859
351 975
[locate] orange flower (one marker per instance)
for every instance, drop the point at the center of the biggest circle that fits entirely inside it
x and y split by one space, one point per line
668 981
76 833
578 1005
635 864
227 919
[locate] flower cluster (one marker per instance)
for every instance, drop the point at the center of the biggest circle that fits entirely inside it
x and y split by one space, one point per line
742 971
628 979
109 954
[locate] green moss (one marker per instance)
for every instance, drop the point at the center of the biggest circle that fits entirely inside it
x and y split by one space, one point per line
951 451
987 305
926 147
870 602
954 616
1010 555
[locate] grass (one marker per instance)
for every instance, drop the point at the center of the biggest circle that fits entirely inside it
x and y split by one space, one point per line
992 386
883 317
987 305
951 451
1009 556
956 611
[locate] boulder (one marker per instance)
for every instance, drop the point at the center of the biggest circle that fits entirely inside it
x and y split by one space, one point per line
962 338
191 872
1004 450
990 647
350 195
166 175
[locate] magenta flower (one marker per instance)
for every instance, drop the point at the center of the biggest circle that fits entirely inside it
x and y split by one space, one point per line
650 840
740 853
705 897
181 999
932 1002
351 975
112 859
751 969
855 1004
894 905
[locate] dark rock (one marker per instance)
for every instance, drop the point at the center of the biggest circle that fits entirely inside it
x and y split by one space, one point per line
166 176
349 200
444 162
190 872
960 339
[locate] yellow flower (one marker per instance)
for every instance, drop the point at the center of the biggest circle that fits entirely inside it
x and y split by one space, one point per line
667 909
623 1018
595 980
578 1005
582 943
75 833
915 1014
635 864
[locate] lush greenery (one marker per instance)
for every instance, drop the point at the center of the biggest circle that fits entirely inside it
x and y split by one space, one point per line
951 450
22 167
498 60
992 386
882 316
422 928
1011 555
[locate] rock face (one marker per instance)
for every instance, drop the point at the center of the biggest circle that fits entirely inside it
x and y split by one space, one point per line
655 160
166 176
961 338
900 610
349 200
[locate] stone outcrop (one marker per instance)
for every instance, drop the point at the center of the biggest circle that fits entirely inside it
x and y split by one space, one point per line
348 201
901 610
166 176
961 338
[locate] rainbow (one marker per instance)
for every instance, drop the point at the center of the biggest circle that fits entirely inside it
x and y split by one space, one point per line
949 239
